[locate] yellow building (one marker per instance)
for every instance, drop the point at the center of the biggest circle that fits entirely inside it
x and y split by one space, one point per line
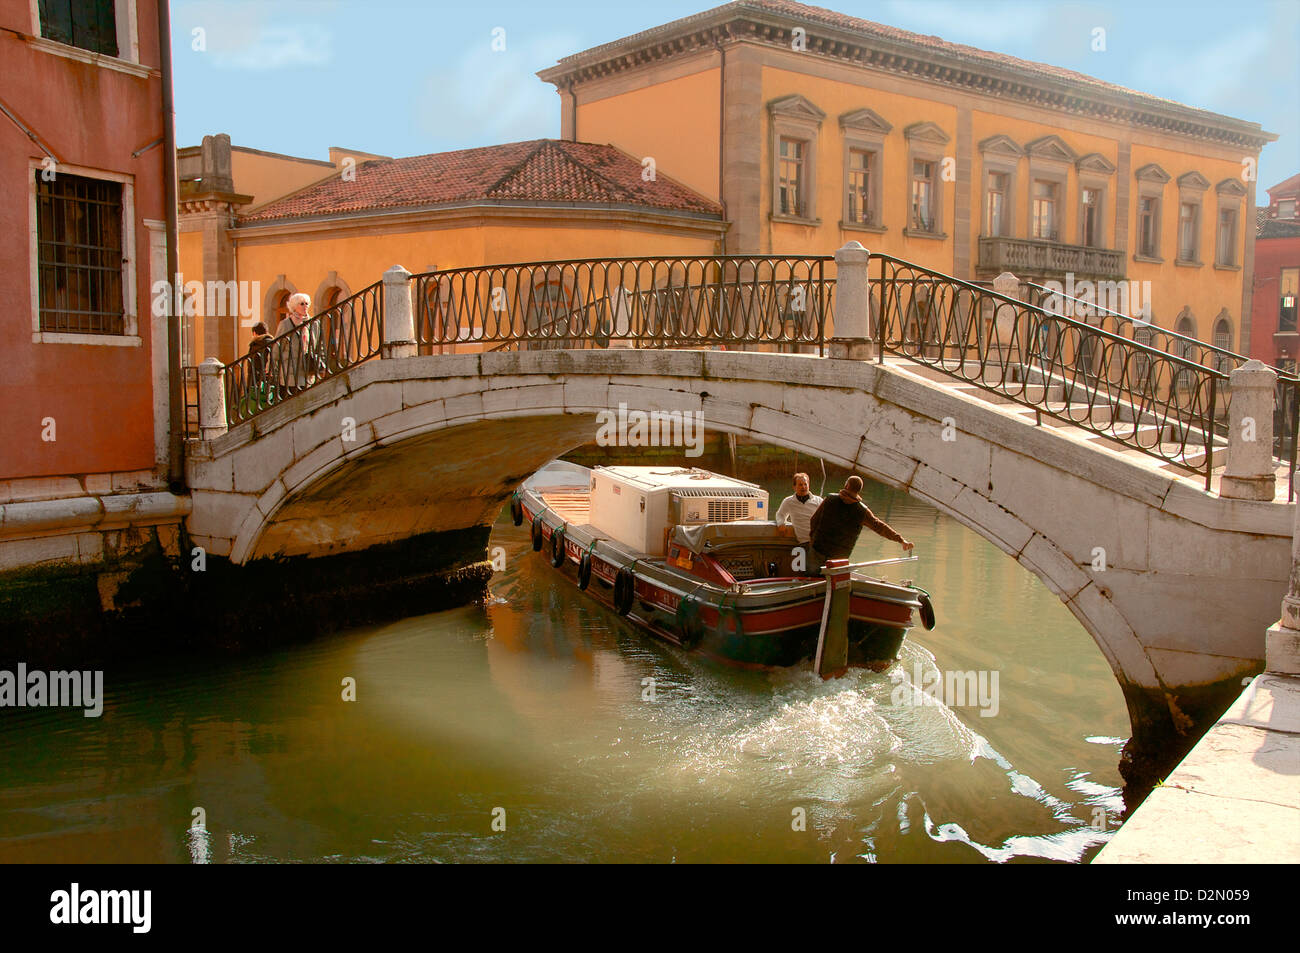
766 127
813 128
331 229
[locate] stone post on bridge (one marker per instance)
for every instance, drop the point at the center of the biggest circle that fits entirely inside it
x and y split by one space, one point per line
212 400
852 341
399 315
1282 640
1001 330
1249 474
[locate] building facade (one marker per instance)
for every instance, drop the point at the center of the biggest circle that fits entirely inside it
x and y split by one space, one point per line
1276 339
813 128
82 238
534 201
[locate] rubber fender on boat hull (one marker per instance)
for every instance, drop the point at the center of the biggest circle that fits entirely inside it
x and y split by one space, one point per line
725 610
537 534
517 512
558 555
689 624
927 611
584 571
624 591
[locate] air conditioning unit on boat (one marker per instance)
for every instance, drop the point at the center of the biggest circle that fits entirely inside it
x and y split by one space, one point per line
690 507
639 506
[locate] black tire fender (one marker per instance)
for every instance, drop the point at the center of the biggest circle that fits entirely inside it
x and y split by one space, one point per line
558 553
584 571
537 534
624 591
517 511
724 611
689 624
927 611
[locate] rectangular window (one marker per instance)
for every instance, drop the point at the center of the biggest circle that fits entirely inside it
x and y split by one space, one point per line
1044 211
996 209
923 195
88 24
1286 208
79 254
861 172
1090 215
790 183
1227 245
1148 226
1288 281
1187 231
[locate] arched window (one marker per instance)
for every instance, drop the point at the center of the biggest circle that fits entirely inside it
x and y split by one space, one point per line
1223 339
279 309
1145 335
275 303
1188 350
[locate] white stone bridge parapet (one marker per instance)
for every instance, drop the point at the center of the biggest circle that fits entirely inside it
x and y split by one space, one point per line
1192 580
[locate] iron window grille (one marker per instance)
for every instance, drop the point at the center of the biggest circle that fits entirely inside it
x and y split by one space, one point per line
79 255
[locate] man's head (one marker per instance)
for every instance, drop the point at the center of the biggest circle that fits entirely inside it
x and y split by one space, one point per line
259 328
801 484
852 487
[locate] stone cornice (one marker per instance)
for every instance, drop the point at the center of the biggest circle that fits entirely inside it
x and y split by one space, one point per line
1051 147
755 25
1152 173
443 215
796 107
1095 162
1001 145
1193 181
1230 187
927 132
211 202
865 120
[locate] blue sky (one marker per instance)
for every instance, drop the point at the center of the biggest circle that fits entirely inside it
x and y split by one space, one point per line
407 77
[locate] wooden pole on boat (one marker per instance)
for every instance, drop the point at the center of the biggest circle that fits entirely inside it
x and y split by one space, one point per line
833 640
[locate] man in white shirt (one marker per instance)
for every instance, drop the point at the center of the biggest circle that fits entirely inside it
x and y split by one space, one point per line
798 509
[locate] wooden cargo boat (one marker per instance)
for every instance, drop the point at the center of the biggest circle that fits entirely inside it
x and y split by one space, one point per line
689 556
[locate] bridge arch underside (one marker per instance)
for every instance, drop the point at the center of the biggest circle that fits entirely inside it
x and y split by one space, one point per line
1190 583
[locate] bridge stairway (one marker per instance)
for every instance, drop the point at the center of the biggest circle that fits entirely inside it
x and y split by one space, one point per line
1118 415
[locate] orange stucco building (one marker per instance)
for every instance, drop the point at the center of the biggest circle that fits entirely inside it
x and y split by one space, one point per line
527 201
795 130
814 128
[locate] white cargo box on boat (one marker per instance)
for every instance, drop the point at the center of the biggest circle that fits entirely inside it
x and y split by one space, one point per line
639 506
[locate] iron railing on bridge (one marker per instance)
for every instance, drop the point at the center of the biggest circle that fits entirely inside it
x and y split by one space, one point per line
1164 395
322 346
1286 398
1159 403
629 302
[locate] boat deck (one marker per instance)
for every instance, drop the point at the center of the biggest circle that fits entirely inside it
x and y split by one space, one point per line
572 506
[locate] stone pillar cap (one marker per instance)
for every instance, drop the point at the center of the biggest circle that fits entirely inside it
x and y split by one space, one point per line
852 252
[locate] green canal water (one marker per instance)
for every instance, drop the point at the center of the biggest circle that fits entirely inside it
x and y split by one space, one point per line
546 715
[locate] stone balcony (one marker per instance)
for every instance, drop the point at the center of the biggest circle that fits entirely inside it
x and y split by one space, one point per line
1026 257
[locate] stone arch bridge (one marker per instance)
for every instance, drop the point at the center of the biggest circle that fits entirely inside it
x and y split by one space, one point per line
396 447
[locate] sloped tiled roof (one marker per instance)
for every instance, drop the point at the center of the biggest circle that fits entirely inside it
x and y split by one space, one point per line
540 170
1261 216
1286 186
1279 228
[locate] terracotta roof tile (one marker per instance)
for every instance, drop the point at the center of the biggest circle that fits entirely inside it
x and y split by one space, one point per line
1279 228
540 170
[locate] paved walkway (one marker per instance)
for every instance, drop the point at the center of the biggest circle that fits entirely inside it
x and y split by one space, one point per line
1235 798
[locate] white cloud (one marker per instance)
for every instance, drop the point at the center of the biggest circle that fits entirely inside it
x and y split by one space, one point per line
495 94
243 36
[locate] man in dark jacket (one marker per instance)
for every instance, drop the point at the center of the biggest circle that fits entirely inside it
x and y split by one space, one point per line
838 521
